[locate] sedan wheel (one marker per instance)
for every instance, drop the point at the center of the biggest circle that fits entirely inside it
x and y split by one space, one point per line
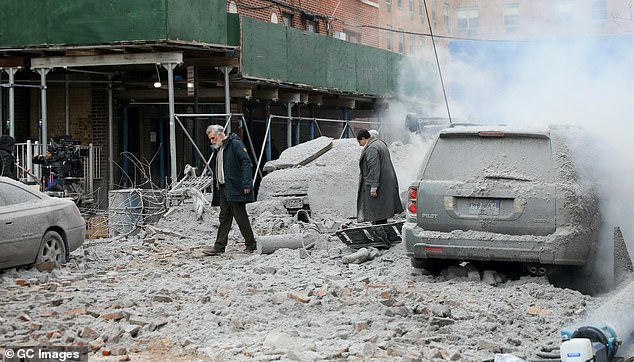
52 249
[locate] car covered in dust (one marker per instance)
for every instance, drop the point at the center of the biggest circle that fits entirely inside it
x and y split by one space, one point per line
35 227
501 194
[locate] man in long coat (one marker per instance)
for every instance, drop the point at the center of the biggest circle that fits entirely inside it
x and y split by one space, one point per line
233 188
377 198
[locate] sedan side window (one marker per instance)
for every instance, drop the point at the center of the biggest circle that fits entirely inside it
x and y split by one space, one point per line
11 195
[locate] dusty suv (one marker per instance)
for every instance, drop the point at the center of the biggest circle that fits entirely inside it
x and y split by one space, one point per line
501 194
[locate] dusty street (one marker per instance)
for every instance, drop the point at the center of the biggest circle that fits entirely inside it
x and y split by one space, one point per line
156 297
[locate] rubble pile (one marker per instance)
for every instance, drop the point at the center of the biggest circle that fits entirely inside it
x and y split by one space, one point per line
123 297
155 296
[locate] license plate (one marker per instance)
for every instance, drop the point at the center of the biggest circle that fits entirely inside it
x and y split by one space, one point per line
486 207
294 203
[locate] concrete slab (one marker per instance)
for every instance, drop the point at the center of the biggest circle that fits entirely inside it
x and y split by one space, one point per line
622 262
300 155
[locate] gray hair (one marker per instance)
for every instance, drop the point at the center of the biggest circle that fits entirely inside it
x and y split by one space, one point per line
216 128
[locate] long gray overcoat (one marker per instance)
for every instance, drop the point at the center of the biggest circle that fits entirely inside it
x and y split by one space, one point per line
377 171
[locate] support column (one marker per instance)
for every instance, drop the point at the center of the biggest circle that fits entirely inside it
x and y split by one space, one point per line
125 145
43 72
11 120
170 87
267 114
66 107
289 125
1 102
226 71
161 137
195 158
312 123
297 124
91 168
346 117
110 136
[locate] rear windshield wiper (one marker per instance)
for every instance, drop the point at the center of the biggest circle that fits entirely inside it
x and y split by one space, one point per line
502 177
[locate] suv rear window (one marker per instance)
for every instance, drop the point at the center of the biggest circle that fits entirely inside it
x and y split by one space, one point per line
459 157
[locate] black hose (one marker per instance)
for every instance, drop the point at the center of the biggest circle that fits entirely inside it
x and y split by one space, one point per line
548 355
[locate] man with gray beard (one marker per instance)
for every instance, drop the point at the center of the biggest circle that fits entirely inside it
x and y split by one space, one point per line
233 188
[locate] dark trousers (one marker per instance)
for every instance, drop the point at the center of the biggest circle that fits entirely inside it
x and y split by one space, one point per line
229 211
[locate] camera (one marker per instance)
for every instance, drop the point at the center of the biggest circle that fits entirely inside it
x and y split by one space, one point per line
67 155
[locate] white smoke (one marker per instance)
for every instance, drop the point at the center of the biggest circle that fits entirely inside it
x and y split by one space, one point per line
587 82
578 82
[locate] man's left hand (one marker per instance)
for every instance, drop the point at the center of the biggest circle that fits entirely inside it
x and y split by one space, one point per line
373 192
246 190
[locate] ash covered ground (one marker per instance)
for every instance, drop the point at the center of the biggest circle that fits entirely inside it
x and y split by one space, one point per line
156 297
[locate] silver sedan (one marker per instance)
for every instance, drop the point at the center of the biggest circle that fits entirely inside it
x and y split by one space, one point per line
36 228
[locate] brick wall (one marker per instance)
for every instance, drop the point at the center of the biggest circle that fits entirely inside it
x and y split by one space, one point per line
331 16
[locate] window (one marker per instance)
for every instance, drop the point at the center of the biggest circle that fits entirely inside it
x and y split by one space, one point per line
287 19
421 10
399 4
433 12
599 9
311 26
388 43
388 5
274 18
563 12
401 41
354 37
351 36
468 18
13 195
511 15
410 6
446 16
412 43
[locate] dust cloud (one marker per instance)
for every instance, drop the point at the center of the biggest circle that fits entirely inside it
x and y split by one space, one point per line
583 81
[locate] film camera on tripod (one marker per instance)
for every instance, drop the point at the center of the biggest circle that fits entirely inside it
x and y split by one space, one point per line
61 165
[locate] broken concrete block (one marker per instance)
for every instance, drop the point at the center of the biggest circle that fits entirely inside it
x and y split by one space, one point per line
300 155
488 277
360 256
267 244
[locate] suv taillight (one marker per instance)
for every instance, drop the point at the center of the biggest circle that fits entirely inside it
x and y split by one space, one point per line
412 194
491 134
